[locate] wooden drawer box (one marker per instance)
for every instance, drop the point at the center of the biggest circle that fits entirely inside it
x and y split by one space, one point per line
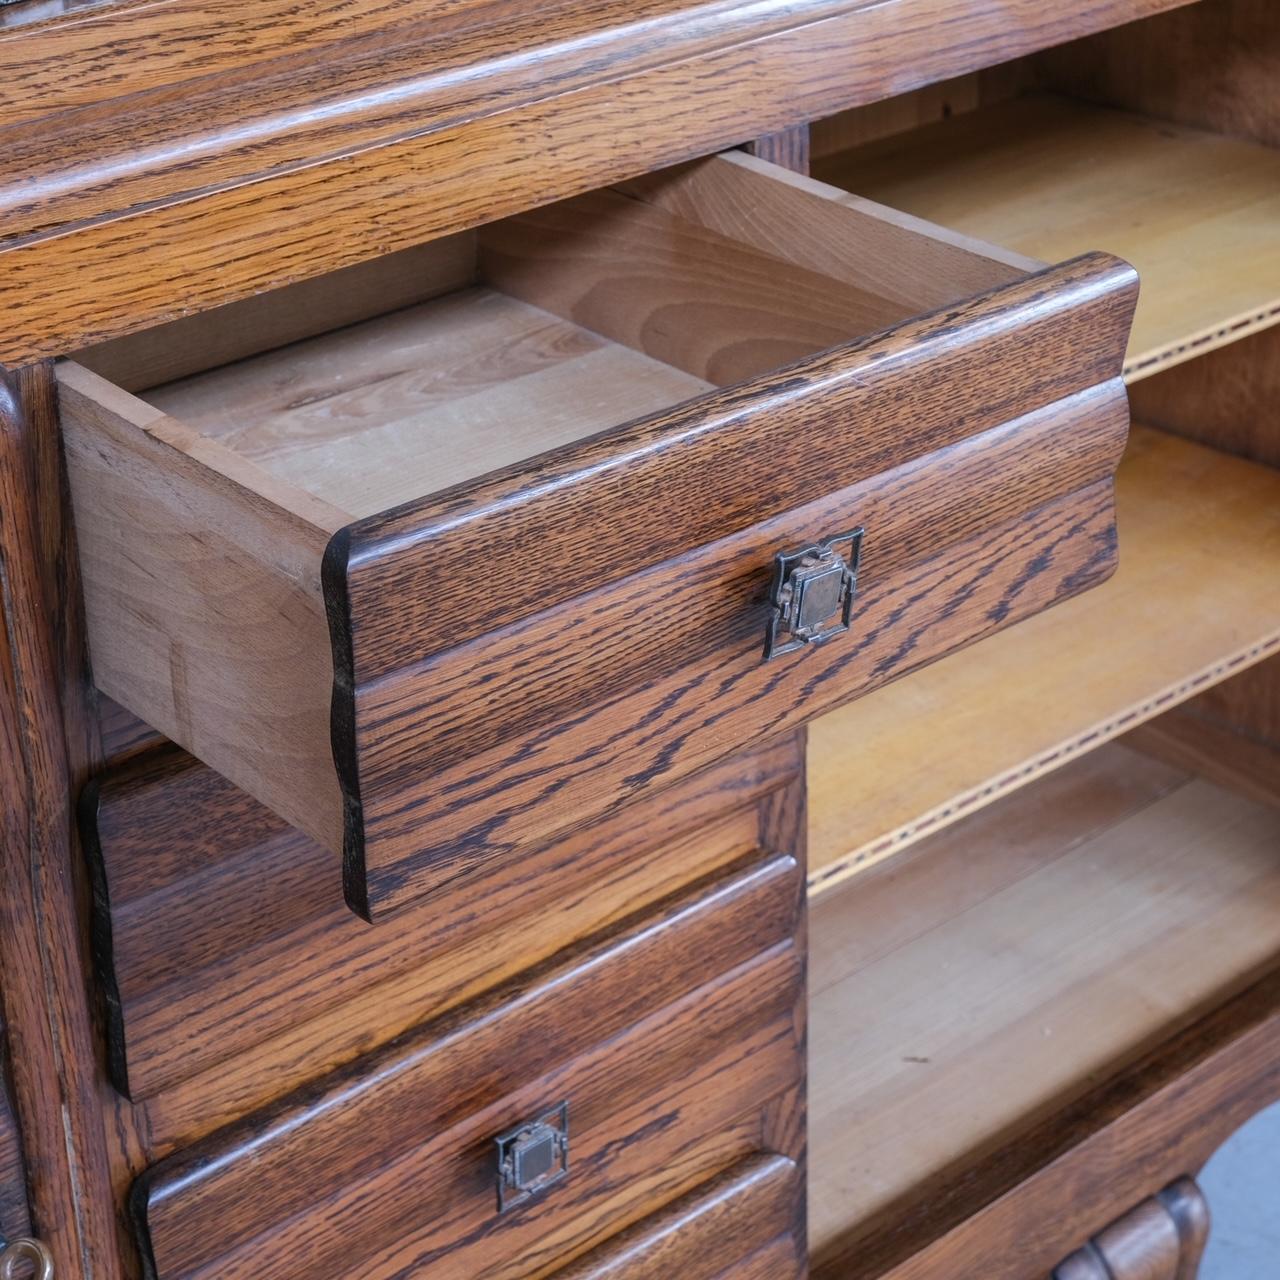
671 1042
423 541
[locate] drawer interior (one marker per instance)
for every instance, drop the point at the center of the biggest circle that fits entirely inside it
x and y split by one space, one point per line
503 343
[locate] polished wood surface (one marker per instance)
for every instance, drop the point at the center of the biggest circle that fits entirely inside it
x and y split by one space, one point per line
671 1033
735 1228
57 1093
1194 212
1161 1239
982 982
220 937
1200 538
432 118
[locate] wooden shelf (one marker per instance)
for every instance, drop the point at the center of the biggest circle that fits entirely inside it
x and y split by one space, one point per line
1197 597
1196 213
980 983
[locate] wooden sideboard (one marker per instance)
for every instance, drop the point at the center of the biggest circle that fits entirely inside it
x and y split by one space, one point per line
596 682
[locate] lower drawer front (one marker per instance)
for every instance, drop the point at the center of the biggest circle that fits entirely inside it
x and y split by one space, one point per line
740 1226
665 1053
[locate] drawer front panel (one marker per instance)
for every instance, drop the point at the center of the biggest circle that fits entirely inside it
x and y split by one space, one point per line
218 934
740 1226
588 705
667 1040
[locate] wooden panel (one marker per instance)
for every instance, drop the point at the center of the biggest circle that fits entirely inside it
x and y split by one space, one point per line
239 191
1195 213
1200 540
69 1126
267 320
488 802
1049 941
1213 65
15 1216
788 148
173 526
671 1035
744 1212
1229 398
220 934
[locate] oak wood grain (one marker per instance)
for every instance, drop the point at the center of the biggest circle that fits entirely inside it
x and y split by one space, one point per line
57 1093
121 196
738 1215
685 1013
219 935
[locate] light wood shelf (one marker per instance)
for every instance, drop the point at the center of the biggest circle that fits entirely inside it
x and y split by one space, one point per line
1195 212
984 980
1197 597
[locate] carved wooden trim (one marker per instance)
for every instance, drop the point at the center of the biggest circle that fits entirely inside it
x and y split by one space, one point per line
1162 1238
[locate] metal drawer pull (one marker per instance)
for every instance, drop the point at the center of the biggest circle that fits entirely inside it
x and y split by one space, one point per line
533 1157
811 596
15 1252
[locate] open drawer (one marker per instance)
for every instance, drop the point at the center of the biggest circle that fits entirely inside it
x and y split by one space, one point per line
395 508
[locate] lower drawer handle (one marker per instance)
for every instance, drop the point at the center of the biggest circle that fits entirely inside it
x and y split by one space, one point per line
16 1252
811 597
533 1157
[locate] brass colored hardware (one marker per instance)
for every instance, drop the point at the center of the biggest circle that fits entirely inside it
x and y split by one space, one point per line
15 1252
533 1157
812 593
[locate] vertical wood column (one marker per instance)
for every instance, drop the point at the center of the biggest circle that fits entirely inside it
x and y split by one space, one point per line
59 1095
789 149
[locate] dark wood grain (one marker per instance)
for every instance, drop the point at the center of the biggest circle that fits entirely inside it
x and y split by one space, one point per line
788 148
1163 1238
715 1231
1119 1143
57 1092
494 803
219 935
671 1032
250 184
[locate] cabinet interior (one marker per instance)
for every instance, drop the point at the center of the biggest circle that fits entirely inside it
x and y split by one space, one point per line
1040 859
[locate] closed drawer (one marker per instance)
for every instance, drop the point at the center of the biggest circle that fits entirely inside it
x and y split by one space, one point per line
410 585
233 972
668 1051
738 1227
